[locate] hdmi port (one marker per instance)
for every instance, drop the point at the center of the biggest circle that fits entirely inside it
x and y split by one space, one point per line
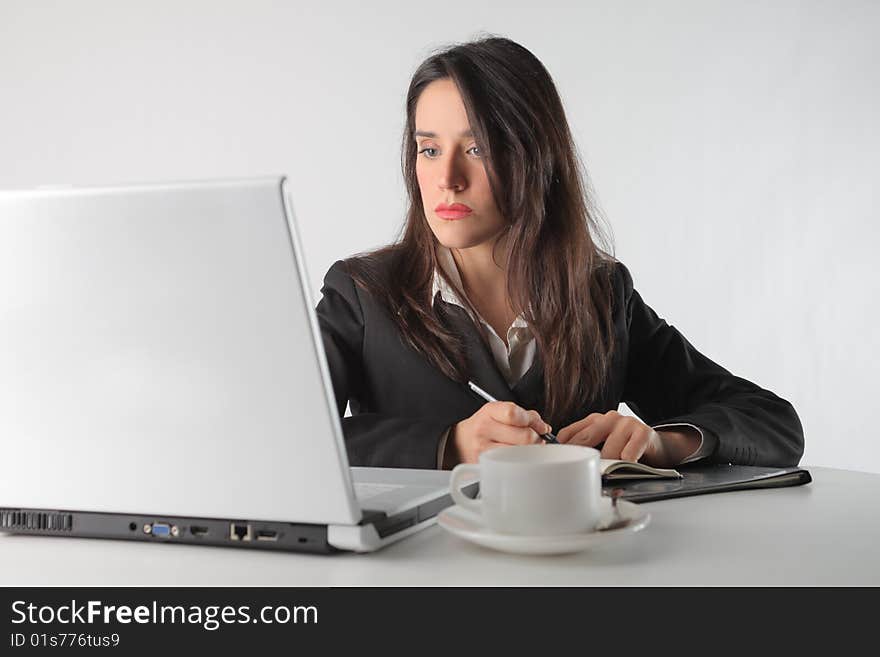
267 535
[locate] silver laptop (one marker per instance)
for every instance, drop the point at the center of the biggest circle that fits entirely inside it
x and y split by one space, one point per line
162 377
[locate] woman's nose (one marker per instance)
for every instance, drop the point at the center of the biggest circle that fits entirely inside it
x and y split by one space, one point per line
451 175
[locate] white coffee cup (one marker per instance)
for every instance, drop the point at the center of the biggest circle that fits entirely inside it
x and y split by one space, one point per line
534 490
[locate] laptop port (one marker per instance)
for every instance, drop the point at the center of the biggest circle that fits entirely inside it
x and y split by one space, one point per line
160 529
267 535
238 532
198 531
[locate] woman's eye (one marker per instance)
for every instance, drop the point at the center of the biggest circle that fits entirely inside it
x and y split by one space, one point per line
432 152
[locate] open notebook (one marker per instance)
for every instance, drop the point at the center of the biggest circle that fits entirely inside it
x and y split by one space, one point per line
615 469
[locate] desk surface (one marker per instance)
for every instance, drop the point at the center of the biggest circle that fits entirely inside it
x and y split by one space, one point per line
824 533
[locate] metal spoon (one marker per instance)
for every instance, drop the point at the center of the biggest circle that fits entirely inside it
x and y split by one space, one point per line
618 521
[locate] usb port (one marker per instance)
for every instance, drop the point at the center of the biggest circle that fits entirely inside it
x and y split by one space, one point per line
198 531
267 535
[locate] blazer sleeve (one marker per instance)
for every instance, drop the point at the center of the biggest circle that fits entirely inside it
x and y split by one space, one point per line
371 439
668 381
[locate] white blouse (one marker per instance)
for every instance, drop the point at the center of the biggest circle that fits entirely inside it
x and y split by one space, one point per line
513 358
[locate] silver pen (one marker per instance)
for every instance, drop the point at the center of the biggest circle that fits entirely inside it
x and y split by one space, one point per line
546 437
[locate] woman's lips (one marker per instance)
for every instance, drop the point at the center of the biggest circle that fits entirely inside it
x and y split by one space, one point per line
452 215
452 212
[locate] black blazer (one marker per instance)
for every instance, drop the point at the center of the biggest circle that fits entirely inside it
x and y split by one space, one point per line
401 405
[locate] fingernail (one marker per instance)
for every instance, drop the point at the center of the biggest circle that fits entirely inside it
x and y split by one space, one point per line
548 429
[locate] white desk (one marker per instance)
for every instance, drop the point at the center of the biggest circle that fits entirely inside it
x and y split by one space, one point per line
824 533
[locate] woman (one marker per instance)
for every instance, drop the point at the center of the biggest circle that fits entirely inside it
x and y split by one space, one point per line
498 280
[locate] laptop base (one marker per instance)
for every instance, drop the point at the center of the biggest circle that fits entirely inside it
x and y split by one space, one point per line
375 529
260 535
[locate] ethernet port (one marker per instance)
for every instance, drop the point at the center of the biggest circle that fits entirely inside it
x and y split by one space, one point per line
239 532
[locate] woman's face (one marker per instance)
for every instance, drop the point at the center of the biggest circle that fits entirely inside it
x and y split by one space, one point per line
449 168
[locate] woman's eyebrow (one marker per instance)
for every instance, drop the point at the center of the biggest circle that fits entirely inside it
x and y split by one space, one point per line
433 135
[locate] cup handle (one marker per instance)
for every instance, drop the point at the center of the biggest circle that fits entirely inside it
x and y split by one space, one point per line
455 487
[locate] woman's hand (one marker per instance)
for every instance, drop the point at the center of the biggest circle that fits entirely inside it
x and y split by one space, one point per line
494 425
630 439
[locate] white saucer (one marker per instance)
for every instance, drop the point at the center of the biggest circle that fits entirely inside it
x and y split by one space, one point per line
469 526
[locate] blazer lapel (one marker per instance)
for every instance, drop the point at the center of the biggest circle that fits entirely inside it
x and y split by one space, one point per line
481 363
529 390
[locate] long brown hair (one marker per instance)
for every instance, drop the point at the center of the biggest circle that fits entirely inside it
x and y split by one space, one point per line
556 272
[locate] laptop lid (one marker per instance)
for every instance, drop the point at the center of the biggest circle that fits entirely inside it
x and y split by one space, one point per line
159 352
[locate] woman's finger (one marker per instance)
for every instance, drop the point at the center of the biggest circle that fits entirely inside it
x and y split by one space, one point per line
566 433
637 445
618 439
537 423
508 413
588 437
502 432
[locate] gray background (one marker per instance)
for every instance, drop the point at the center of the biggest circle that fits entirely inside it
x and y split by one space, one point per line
732 147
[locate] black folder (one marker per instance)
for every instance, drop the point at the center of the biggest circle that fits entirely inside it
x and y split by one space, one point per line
700 479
